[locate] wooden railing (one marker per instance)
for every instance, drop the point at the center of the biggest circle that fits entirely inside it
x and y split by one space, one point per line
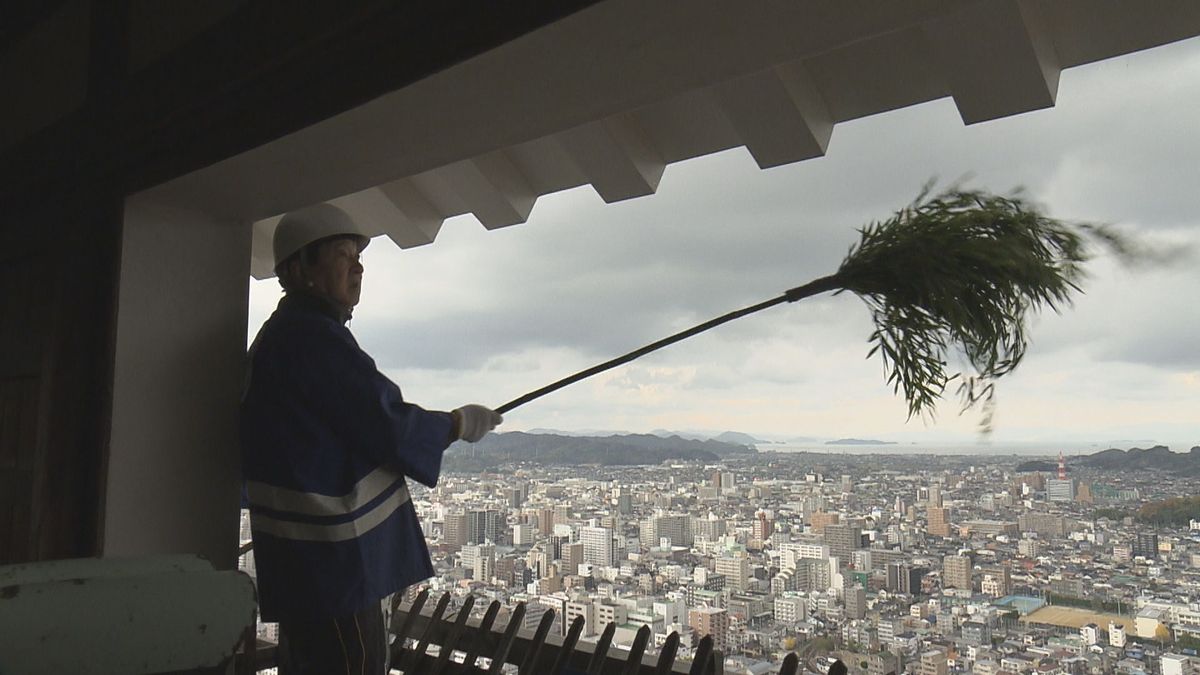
430 641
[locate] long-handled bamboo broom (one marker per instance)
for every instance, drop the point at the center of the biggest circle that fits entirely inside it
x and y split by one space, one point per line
958 271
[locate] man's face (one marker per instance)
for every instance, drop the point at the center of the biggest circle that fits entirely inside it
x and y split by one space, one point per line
337 274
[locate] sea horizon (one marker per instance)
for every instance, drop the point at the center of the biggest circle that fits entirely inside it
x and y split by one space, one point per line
1024 449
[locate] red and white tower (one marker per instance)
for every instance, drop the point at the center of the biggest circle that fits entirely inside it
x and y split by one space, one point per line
1062 466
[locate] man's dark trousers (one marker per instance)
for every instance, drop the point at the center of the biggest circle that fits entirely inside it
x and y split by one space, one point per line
354 645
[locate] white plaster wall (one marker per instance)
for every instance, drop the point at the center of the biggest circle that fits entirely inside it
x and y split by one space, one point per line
173 480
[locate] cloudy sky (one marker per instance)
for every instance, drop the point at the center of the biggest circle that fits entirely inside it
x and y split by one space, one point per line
486 316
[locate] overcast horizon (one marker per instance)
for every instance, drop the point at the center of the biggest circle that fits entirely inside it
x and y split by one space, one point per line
484 316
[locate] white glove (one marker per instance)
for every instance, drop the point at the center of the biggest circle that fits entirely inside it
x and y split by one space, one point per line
474 421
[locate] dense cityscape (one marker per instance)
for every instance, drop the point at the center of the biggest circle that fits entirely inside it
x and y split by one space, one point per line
893 563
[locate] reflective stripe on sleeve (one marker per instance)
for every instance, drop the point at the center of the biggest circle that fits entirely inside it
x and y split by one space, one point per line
313 504
340 532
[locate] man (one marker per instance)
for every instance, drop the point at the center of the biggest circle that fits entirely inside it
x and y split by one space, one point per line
327 442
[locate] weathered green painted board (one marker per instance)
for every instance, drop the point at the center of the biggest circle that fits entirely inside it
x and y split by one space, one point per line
149 615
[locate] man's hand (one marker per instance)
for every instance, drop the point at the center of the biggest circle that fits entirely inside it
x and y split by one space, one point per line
472 422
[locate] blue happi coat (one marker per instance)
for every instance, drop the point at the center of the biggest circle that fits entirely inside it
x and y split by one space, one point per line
327 441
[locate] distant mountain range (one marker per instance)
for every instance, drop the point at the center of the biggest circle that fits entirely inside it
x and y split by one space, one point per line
1135 459
735 437
614 450
1158 458
690 435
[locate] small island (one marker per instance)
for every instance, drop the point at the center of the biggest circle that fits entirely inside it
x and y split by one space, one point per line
858 441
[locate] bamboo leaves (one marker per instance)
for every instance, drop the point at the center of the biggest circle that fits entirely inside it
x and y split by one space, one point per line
956 274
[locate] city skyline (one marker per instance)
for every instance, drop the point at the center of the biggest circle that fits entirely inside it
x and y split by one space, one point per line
485 316
905 565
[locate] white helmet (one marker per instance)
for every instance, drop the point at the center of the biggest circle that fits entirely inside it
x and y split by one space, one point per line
313 223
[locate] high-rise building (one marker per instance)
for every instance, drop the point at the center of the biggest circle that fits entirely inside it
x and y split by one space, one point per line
905 578
956 572
814 548
572 557
480 559
820 574
820 520
1145 544
454 528
562 514
935 496
538 561
1060 490
892 580
523 535
484 526
515 496
790 609
648 532
554 544
843 539
997 581
939 521
485 562
736 571
598 546
710 527
545 522
710 621
1045 524
763 526
856 602
510 571
675 528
